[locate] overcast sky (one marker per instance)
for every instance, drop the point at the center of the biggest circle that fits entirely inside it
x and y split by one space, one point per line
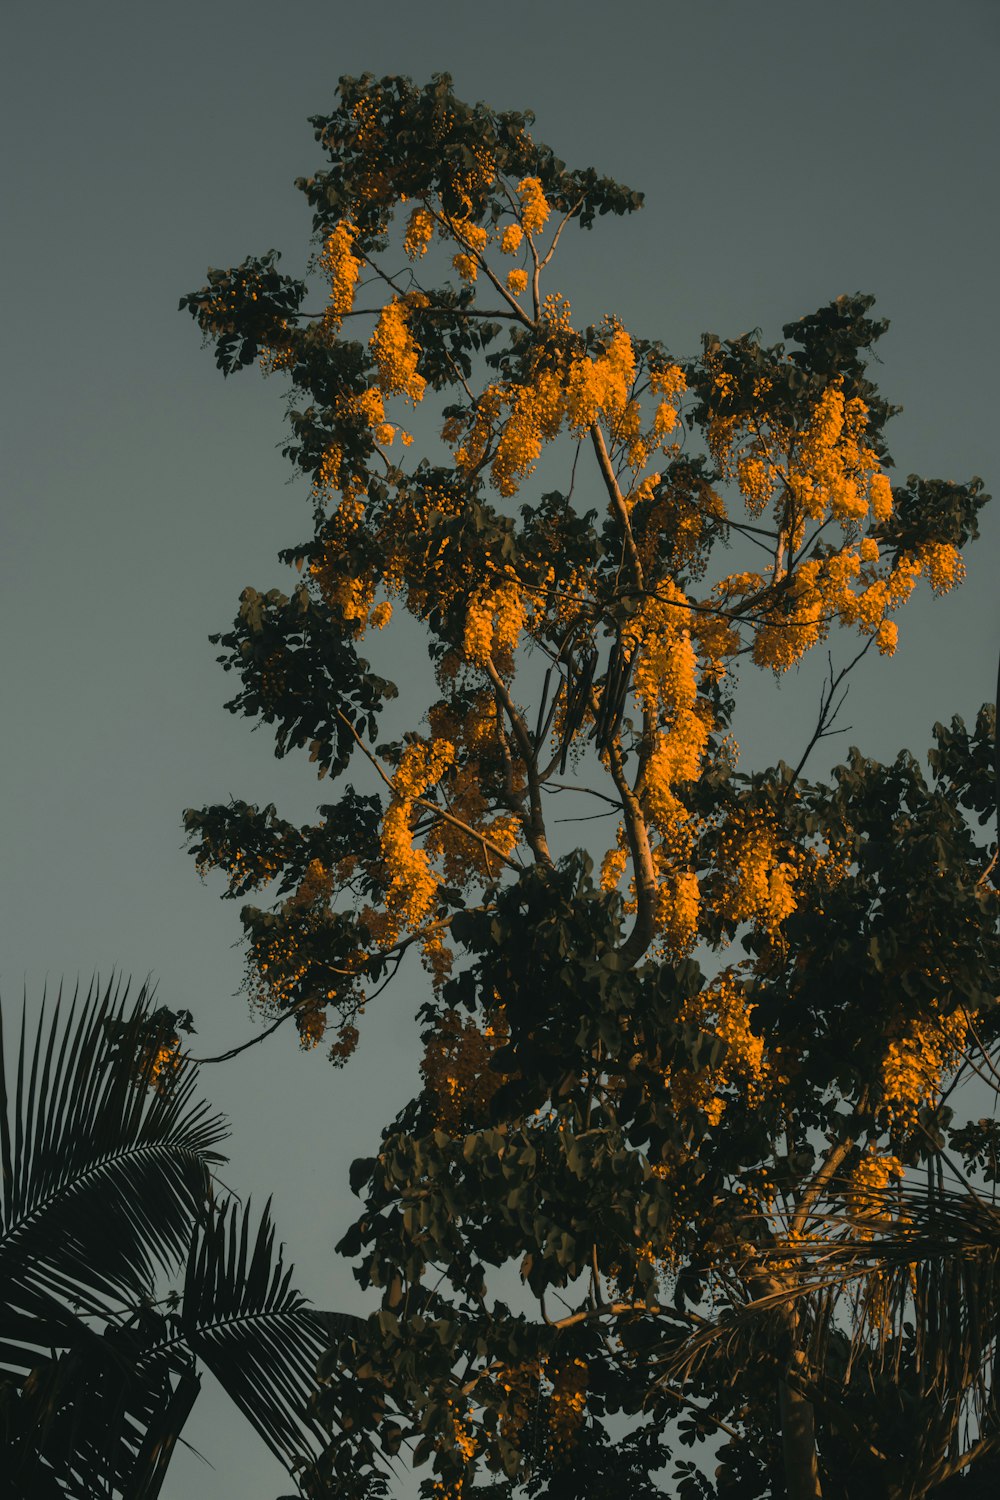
789 150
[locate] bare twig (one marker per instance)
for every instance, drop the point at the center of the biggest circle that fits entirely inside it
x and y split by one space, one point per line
828 711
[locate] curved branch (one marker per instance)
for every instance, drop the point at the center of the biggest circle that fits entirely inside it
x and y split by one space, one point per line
534 822
617 502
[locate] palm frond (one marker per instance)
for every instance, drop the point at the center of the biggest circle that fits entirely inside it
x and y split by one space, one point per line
102 1176
106 1185
930 1276
92 1420
245 1322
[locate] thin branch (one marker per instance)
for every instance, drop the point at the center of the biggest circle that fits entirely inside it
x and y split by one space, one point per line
431 807
585 817
589 791
828 711
425 312
533 823
517 312
559 229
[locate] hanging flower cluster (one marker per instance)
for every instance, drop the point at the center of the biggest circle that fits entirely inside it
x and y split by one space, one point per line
342 267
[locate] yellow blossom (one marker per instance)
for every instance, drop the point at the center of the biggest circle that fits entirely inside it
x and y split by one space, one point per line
396 353
886 637
510 241
466 265
419 232
534 207
342 267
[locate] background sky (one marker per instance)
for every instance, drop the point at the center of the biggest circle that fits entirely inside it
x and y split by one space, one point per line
789 150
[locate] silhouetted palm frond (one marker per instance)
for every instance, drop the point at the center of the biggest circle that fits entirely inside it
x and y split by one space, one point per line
101 1176
107 1189
245 1322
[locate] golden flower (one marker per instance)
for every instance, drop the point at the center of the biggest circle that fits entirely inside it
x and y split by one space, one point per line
534 206
419 232
510 240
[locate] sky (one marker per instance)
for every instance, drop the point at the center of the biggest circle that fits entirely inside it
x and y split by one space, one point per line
789 151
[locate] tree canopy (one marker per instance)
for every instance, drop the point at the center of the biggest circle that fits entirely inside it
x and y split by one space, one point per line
662 1073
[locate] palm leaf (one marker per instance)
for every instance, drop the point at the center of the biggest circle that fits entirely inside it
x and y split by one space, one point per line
934 1267
106 1185
103 1182
245 1322
92 1421
102 1176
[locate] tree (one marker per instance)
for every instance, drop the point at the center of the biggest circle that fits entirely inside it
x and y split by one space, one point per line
646 1087
107 1190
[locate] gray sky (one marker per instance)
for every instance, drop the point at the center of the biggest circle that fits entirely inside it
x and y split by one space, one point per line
789 150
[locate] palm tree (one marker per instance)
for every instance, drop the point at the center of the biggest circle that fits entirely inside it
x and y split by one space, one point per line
107 1158
925 1289
898 1320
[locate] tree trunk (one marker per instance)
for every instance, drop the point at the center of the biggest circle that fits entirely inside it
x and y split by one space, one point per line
798 1438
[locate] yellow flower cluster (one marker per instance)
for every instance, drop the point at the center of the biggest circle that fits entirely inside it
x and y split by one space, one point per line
311 1026
456 1071
315 887
678 904
510 240
277 356
517 282
844 586
887 637
534 206
277 966
475 178
536 414
664 680
396 352
411 884
350 597
339 263
462 1440
615 862
463 856
472 235
664 673
871 1179
493 622
832 470
327 476
825 470
163 1065
366 410
761 881
721 1010
668 380
567 1404
466 265
519 1384
798 621
419 233
917 1055
943 565
601 387
592 389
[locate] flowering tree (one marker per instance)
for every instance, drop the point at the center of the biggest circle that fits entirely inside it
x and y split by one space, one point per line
656 1150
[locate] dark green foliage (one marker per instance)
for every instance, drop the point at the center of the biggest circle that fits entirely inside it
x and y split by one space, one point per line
300 674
